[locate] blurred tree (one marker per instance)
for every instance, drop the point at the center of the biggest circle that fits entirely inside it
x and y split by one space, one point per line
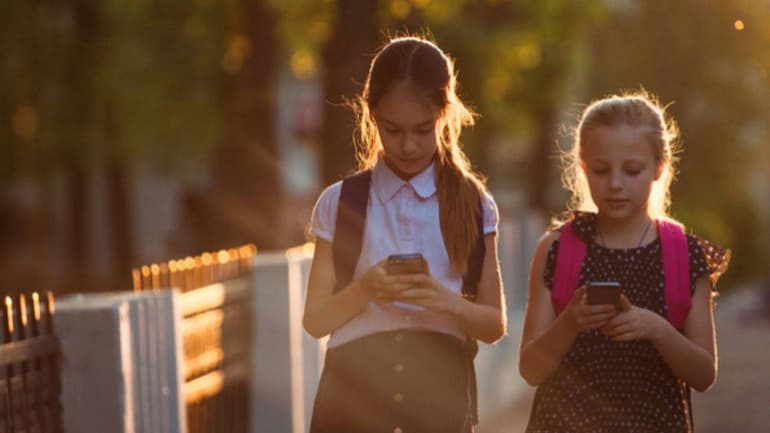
91 90
47 109
501 48
346 58
518 62
245 171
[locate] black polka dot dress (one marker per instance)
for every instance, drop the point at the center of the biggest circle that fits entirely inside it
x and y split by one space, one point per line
604 386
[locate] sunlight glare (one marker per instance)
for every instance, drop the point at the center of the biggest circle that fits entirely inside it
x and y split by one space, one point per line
400 9
9 313
304 64
36 306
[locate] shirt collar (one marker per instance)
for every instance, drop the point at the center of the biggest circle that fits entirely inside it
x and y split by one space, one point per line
387 183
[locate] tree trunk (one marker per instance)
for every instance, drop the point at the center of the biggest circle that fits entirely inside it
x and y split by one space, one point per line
87 28
541 158
79 239
119 206
246 193
346 63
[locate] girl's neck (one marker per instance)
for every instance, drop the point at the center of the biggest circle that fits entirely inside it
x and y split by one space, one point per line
624 234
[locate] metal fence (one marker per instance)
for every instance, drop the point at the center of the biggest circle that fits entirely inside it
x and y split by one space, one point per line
216 333
29 366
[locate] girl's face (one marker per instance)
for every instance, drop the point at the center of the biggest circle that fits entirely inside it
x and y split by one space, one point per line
620 165
407 127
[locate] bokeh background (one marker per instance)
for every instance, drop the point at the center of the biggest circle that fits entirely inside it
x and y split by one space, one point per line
134 132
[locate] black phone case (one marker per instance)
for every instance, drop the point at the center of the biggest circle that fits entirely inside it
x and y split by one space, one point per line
604 293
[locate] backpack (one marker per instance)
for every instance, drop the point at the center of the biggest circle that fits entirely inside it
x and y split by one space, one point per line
676 270
346 248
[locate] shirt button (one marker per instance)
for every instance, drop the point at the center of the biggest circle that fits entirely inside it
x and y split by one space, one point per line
398 430
398 368
398 397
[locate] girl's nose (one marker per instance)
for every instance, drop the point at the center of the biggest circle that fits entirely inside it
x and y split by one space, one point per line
410 144
616 181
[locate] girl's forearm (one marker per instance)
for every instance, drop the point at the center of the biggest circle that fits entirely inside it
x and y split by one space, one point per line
324 315
688 361
483 322
541 357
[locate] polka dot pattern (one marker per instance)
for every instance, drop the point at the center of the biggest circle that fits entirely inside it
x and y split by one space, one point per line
604 386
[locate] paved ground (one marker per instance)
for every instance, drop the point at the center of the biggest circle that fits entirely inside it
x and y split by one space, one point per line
740 400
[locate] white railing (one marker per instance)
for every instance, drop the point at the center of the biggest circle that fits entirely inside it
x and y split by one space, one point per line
123 365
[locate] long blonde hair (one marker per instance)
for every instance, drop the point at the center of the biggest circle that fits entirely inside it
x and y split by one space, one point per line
430 72
638 109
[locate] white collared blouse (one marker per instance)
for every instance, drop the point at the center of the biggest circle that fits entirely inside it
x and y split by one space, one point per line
402 217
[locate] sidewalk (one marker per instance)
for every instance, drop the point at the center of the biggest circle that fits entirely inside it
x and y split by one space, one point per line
738 402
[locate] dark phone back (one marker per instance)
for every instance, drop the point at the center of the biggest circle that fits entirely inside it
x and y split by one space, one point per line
600 293
406 264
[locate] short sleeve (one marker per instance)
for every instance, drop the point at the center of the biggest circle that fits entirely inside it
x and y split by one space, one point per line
491 214
706 259
324 217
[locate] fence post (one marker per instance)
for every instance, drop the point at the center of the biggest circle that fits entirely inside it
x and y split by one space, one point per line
97 379
279 400
121 362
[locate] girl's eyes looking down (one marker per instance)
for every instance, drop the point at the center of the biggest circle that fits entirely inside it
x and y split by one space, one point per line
421 129
630 170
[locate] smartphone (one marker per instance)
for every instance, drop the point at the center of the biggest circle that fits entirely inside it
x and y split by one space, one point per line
604 292
412 263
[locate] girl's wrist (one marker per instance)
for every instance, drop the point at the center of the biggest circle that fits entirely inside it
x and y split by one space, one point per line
361 290
658 328
568 323
457 307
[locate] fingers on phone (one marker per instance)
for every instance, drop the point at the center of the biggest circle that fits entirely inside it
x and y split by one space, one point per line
597 316
411 295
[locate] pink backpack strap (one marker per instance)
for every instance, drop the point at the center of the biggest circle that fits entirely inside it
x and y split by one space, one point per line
676 271
570 256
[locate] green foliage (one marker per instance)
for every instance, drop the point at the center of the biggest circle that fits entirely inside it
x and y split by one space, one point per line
156 71
161 60
134 80
304 26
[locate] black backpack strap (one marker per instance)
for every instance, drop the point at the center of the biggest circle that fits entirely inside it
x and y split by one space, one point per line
469 291
349 226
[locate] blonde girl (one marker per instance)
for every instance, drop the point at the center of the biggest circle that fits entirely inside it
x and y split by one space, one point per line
627 367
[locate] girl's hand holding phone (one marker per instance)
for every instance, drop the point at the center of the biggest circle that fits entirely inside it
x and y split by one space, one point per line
425 291
633 323
588 317
376 282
